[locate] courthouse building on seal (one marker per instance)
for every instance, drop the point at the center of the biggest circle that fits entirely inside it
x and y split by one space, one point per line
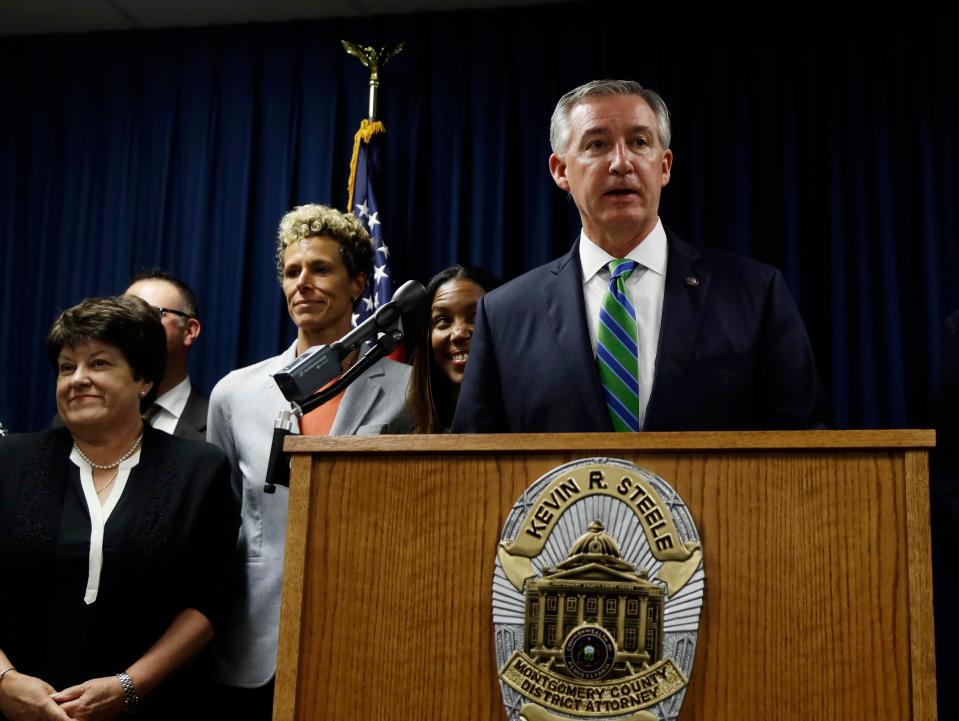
595 586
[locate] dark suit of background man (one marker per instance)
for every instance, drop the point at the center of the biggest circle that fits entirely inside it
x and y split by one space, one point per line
720 341
944 505
179 409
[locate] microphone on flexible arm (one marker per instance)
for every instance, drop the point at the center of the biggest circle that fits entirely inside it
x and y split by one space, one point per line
321 364
312 370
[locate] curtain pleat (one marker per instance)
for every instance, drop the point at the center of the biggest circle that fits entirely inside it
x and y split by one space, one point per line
823 143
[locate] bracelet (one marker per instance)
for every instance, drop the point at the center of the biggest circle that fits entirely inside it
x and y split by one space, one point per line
130 698
5 671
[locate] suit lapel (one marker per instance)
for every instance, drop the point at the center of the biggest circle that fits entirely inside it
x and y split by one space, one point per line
192 423
562 296
357 402
687 285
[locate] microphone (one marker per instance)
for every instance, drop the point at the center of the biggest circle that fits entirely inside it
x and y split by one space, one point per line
278 467
321 364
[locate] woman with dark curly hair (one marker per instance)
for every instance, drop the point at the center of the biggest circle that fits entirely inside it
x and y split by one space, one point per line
117 541
443 345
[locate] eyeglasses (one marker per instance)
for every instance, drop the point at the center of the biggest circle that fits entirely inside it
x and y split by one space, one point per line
162 311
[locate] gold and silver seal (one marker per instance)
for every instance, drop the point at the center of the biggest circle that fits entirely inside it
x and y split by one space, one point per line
597 594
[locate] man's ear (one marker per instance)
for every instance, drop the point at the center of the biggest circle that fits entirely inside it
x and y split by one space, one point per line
557 168
667 166
191 332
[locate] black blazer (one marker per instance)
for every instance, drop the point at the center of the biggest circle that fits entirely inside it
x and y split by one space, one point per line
192 423
172 546
944 481
733 352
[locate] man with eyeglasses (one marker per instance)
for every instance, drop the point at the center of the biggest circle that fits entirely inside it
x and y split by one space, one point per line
179 409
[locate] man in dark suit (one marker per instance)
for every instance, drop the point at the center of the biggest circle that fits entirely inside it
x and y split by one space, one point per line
179 409
944 507
708 340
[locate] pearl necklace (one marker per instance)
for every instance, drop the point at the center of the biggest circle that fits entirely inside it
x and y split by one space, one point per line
101 467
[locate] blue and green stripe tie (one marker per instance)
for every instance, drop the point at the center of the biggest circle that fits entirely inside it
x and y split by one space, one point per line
617 354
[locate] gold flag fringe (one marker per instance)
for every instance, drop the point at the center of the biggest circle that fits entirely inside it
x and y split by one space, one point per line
366 132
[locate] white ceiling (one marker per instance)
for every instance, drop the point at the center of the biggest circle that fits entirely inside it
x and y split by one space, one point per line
29 17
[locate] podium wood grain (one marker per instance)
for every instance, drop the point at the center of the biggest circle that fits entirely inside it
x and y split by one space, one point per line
816 545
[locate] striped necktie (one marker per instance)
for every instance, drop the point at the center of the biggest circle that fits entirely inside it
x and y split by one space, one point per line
617 354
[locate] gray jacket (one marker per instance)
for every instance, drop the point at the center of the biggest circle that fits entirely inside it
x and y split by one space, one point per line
243 408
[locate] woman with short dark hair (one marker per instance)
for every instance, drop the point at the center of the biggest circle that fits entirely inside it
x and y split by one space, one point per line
117 541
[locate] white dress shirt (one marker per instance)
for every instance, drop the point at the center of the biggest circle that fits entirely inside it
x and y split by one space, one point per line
646 287
171 405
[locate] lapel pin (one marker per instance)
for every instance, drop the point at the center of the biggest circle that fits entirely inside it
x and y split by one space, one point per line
692 281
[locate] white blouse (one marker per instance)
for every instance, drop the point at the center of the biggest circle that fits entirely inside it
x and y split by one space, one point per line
99 514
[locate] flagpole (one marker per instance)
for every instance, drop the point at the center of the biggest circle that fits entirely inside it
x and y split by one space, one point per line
373 60
361 194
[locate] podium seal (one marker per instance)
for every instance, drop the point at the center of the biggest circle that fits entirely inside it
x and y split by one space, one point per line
597 592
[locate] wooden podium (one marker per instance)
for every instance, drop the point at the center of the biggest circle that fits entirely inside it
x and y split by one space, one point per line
816 546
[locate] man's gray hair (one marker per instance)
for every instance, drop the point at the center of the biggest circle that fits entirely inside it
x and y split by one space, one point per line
559 123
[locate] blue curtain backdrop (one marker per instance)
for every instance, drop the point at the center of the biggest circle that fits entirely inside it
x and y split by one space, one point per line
821 142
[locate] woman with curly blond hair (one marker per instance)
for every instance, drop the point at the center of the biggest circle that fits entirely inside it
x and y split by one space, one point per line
324 258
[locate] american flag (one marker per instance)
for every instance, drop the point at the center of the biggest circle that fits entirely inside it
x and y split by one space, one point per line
363 169
363 205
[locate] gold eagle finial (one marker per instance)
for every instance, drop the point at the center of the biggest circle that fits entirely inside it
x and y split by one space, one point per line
372 58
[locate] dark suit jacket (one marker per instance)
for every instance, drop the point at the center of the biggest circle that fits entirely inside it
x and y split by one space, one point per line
733 352
944 507
192 423
944 485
